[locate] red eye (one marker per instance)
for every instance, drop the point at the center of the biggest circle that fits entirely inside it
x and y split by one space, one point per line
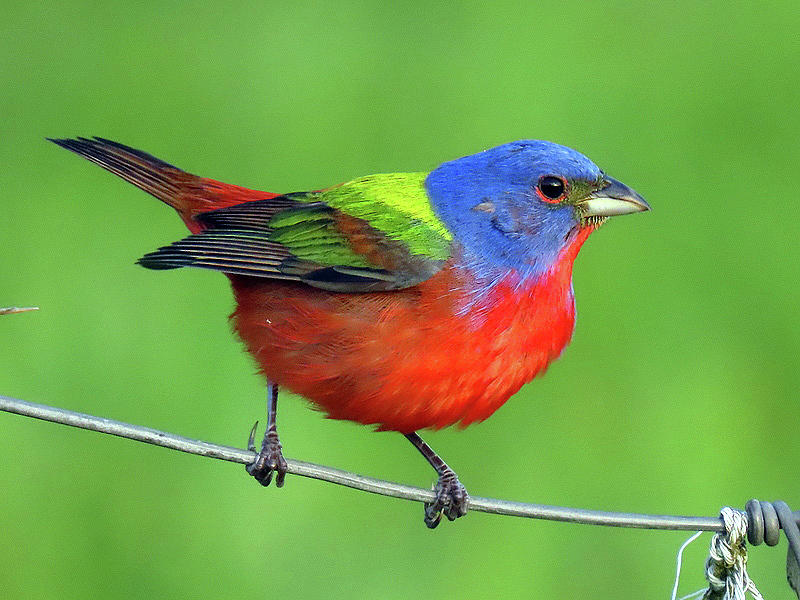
551 189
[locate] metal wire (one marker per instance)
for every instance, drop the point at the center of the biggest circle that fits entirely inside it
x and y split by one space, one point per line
359 482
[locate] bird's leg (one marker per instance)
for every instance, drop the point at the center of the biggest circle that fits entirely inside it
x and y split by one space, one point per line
451 497
270 458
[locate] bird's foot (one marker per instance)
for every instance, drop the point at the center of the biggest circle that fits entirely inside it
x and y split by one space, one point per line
270 459
451 500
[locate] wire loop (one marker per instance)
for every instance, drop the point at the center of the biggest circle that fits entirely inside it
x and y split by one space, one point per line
765 521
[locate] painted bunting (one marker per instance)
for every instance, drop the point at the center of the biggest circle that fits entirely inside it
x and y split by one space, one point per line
401 300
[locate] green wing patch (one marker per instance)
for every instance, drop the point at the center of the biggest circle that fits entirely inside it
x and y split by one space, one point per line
397 205
311 234
374 233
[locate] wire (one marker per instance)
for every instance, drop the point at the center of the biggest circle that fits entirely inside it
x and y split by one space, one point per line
356 481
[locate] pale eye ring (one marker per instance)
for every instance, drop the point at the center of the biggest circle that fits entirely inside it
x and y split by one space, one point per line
551 188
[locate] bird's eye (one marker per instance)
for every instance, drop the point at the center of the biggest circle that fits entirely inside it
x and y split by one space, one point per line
551 188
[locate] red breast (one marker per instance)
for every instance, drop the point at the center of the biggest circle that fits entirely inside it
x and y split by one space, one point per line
411 359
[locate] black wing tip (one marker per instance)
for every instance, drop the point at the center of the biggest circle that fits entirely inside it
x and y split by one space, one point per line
158 262
164 258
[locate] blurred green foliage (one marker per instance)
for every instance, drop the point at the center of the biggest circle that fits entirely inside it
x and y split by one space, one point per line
678 394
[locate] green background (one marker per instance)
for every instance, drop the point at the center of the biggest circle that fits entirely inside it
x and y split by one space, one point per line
677 396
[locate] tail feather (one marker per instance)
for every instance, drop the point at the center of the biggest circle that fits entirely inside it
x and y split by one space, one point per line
188 194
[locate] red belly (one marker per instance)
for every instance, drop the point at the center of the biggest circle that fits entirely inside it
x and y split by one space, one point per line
406 360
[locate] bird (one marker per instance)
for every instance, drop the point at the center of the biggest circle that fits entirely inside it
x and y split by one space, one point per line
403 301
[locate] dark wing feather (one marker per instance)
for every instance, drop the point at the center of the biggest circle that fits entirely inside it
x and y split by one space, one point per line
241 240
256 215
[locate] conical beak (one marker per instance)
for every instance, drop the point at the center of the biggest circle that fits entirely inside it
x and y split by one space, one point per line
616 198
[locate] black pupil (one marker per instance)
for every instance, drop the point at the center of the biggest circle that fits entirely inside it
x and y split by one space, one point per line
551 187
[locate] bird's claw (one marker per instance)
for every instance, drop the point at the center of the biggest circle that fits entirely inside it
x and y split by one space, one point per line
270 459
451 500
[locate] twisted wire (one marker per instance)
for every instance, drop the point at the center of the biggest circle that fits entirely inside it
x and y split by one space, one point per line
726 567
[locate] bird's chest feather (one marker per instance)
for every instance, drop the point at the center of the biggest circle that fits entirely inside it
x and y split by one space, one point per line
426 357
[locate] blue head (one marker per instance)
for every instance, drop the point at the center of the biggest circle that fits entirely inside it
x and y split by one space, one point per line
519 205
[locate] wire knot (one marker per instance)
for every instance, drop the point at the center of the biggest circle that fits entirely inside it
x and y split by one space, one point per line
726 566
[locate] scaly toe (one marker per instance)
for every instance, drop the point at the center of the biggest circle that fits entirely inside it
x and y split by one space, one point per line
432 516
281 468
269 461
451 500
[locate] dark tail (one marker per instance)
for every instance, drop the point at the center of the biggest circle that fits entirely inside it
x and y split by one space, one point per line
189 194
